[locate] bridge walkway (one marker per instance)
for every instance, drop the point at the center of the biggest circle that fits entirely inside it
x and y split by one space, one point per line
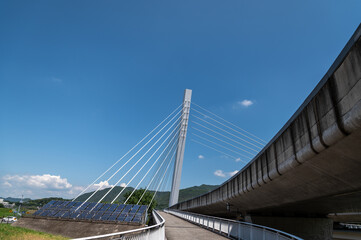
178 229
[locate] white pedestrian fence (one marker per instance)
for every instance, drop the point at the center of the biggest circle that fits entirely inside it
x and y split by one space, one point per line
154 232
233 229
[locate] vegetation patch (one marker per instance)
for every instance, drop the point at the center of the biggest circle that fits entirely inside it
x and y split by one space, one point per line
16 233
4 212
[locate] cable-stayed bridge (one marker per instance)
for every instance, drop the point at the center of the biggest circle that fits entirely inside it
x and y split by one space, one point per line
310 169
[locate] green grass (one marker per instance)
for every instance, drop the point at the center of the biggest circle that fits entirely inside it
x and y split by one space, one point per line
14 233
4 212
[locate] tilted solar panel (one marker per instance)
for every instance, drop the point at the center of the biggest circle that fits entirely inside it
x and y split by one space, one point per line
105 207
83 215
120 208
84 206
66 215
70 205
55 205
112 207
75 206
142 209
53 212
129 217
60 213
98 215
44 213
74 214
121 217
138 218
114 216
134 209
93 211
105 216
91 205
49 204
127 208
38 212
62 205
90 215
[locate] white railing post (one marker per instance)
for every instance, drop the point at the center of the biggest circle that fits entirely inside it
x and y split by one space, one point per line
251 233
229 232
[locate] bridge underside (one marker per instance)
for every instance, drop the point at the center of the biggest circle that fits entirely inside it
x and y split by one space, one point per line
305 191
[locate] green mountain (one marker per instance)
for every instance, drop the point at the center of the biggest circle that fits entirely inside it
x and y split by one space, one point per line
162 198
14 200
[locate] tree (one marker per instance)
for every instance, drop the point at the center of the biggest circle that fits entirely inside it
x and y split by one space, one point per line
145 200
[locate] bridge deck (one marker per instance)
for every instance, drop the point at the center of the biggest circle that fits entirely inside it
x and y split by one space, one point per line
176 228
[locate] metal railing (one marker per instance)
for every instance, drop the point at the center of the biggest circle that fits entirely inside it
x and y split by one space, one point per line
154 232
233 229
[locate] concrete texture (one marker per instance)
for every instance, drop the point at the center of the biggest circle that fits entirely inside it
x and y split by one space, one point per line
178 229
71 229
346 235
306 228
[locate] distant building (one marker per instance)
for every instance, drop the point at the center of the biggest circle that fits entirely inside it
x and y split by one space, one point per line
7 204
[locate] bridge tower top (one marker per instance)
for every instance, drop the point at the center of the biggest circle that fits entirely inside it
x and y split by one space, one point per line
174 194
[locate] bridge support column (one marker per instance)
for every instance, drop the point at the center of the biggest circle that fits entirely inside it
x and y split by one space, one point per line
174 194
306 228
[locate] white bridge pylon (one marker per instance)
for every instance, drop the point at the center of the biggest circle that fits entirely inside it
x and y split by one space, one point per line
150 162
177 173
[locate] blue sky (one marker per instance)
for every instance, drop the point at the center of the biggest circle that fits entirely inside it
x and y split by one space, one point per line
82 81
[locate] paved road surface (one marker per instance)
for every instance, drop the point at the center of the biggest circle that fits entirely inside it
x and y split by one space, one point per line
178 229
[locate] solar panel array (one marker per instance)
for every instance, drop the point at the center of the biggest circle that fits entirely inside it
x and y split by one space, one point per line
93 211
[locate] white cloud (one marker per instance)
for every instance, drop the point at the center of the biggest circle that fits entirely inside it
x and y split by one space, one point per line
220 173
44 186
102 185
36 186
41 186
245 103
45 181
233 173
238 159
200 157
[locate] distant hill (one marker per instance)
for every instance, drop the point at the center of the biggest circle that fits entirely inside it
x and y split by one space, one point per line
14 200
162 198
